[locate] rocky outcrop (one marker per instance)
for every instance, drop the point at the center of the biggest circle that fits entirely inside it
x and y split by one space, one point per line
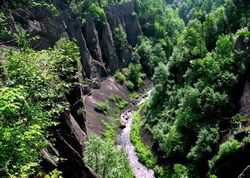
38 23
74 31
92 39
98 53
108 49
109 86
97 47
125 15
243 44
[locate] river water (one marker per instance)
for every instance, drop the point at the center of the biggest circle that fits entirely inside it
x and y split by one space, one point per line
123 140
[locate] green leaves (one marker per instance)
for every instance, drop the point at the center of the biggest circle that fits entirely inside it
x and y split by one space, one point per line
104 158
11 101
207 137
225 149
193 96
31 100
144 153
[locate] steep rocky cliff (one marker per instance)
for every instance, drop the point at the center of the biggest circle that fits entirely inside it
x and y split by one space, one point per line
98 52
98 55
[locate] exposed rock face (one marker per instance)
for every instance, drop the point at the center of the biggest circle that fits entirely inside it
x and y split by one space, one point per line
108 87
97 48
124 14
108 48
98 53
37 22
93 43
242 44
73 29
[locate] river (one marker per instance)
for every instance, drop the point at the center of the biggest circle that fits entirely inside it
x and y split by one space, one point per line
123 140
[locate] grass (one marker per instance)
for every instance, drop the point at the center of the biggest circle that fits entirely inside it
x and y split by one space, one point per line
144 152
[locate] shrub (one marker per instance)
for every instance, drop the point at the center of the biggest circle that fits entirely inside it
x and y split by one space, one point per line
98 13
130 85
119 101
206 139
135 75
135 95
103 107
110 132
226 148
54 174
181 171
126 72
119 40
120 76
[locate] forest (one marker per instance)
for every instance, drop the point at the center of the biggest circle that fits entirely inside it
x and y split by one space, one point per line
57 57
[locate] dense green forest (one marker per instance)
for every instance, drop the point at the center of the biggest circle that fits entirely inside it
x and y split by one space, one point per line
190 49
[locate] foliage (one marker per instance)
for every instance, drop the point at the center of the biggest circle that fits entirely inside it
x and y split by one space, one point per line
144 153
244 33
226 148
135 95
104 158
103 107
54 174
110 132
150 55
120 102
135 75
4 32
189 10
158 19
181 171
120 76
192 95
237 121
131 76
130 85
120 38
35 3
93 8
206 139
31 100
97 13
214 25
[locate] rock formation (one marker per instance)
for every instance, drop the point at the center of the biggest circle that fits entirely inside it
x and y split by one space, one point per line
98 54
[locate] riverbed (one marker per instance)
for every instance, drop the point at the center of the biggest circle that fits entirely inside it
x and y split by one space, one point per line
123 140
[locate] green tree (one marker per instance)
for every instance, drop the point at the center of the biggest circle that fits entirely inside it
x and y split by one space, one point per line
32 87
104 158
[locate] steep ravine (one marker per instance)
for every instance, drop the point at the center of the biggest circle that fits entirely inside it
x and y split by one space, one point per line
123 140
